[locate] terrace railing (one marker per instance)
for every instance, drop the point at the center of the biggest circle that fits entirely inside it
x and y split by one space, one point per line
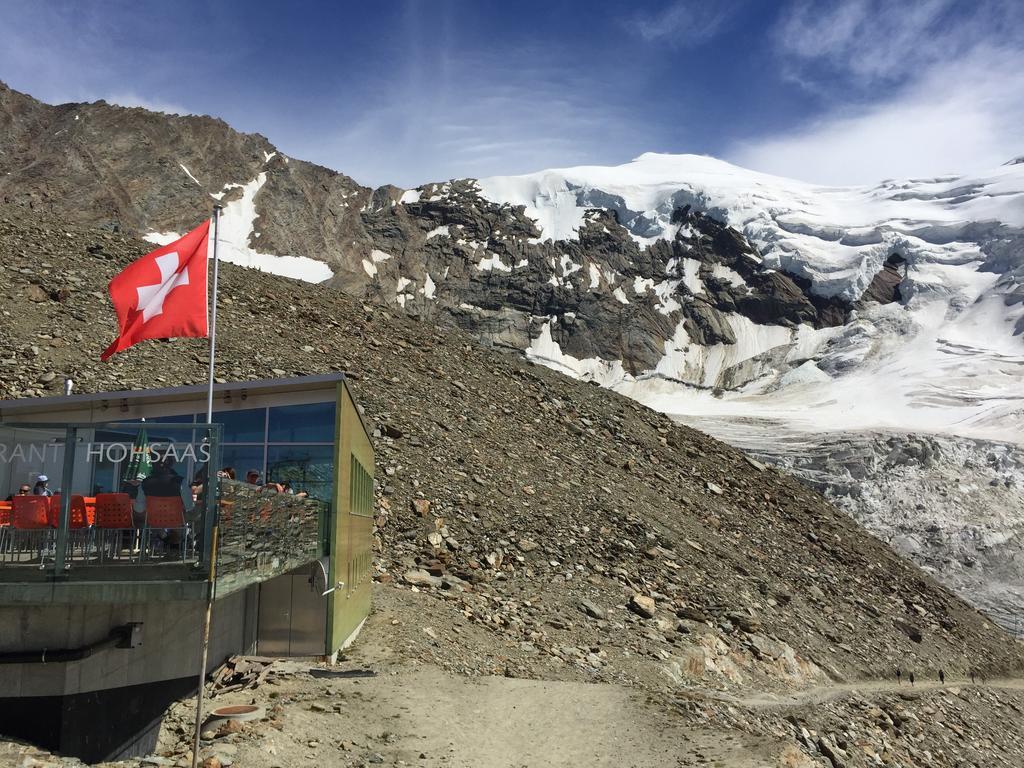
127 534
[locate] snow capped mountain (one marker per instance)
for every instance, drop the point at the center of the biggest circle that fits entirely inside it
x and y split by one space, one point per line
871 339
947 357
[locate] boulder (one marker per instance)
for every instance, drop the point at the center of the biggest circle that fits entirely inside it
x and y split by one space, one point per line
420 578
593 610
642 606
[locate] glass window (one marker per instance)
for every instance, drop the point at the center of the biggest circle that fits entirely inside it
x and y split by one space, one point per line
242 458
308 468
312 423
248 426
185 418
105 475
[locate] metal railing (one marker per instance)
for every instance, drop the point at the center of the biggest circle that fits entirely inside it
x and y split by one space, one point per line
77 530
138 502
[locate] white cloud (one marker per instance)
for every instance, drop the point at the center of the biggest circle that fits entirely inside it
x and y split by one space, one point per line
960 118
908 90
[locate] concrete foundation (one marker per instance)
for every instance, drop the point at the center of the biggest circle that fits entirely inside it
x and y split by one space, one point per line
109 704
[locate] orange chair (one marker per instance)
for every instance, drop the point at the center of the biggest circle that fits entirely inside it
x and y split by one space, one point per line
79 527
30 513
166 513
79 513
30 523
113 514
5 524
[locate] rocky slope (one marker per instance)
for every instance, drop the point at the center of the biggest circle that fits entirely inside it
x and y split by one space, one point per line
711 293
576 529
139 171
949 503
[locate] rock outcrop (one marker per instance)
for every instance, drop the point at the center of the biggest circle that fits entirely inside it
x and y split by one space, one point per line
885 286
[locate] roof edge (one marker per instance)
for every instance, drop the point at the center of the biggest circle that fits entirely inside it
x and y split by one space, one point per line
59 401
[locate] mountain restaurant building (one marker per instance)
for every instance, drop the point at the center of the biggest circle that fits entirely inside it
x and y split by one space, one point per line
103 585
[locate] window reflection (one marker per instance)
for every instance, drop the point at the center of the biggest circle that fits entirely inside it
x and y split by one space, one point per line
247 444
242 458
308 468
248 426
310 423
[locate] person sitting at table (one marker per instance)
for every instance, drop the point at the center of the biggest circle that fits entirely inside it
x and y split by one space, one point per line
41 488
22 491
165 482
286 487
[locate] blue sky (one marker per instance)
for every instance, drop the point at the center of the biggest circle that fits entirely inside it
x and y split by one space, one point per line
416 91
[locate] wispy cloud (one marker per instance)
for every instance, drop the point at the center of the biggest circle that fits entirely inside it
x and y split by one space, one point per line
684 22
870 43
450 110
870 40
906 89
476 125
70 52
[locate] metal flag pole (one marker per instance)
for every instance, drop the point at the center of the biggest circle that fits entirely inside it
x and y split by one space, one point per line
210 480
213 313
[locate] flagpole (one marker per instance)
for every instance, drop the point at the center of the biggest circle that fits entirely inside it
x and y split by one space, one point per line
213 313
210 481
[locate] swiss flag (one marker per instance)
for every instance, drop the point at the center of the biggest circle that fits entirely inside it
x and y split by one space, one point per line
163 294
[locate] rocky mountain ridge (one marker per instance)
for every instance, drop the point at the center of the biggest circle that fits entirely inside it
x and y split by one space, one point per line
445 253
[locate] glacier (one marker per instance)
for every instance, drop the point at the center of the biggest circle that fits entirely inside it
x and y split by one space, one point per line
949 358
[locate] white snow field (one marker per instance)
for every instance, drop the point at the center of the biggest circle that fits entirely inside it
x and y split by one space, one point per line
237 231
949 359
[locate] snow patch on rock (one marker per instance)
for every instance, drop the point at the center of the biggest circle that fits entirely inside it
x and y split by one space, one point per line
237 228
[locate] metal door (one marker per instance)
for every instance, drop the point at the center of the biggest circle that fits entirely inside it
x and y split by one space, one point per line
274 617
292 617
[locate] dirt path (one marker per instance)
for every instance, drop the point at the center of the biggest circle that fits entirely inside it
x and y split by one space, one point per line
428 717
425 716
416 712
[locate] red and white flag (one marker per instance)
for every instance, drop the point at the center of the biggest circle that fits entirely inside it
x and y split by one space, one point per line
163 294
